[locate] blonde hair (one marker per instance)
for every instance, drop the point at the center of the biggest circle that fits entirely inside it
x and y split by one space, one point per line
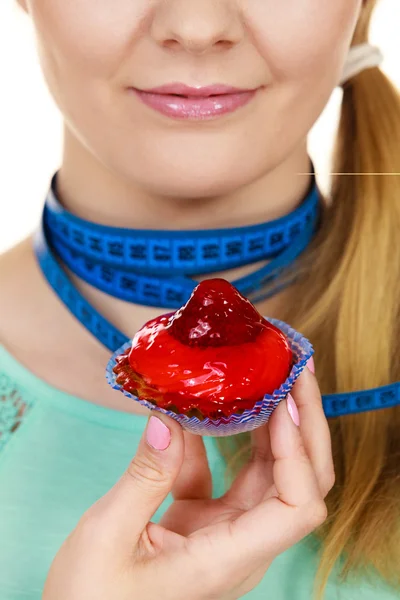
348 305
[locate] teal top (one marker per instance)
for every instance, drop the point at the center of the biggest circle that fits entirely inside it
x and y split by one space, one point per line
59 454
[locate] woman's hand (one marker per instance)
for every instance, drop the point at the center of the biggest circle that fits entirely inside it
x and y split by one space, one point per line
203 549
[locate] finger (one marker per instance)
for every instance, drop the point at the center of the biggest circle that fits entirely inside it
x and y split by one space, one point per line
129 505
185 517
294 476
194 480
164 539
314 429
255 478
277 523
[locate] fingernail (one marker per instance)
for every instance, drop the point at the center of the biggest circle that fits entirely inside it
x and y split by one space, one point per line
292 409
158 435
311 365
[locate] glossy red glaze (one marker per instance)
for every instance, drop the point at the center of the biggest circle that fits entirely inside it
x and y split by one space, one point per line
214 357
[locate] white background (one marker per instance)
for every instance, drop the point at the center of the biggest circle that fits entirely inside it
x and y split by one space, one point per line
30 123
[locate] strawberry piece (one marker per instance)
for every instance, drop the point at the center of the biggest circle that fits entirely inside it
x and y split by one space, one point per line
216 315
214 357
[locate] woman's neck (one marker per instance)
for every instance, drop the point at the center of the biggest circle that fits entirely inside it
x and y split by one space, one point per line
93 192
86 188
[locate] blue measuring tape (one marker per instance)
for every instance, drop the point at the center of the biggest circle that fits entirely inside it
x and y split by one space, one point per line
57 235
150 267
169 292
174 253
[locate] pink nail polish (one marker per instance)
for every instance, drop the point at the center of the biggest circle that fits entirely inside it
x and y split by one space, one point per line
311 365
292 409
158 435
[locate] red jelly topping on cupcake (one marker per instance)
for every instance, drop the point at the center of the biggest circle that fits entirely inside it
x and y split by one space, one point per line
214 357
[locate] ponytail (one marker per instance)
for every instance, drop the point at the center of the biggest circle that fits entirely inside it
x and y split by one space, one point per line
364 527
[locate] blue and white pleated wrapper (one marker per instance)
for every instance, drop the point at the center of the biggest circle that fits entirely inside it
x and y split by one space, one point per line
250 419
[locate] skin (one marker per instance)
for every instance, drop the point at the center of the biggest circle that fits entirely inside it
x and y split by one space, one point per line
123 164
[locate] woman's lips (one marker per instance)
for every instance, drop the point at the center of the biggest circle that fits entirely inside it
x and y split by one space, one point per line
182 102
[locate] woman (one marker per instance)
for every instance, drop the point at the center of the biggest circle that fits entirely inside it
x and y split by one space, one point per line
140 155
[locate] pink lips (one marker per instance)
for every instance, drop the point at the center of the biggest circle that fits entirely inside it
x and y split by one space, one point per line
180 101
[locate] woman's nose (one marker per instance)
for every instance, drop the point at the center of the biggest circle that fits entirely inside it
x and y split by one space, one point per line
197 26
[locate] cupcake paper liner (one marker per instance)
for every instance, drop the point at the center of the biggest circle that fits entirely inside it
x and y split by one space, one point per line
250 419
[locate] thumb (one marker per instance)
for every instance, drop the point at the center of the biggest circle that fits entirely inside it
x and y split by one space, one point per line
131 503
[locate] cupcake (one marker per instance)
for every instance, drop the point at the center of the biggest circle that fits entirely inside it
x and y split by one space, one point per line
216 365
